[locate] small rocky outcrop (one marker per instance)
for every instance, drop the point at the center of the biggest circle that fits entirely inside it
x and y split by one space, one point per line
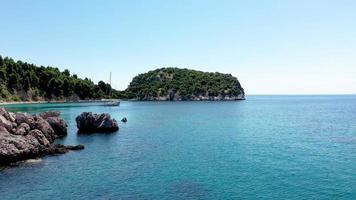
88 122
124 120
24 136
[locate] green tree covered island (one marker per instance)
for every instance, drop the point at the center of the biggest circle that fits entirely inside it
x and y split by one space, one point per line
184 84
21 81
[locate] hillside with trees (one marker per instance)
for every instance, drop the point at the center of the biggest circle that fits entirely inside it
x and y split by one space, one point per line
184 84
21 81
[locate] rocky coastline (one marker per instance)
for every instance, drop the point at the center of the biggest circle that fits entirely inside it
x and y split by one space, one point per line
24 136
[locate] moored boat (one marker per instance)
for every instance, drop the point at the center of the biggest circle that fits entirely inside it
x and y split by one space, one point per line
112 103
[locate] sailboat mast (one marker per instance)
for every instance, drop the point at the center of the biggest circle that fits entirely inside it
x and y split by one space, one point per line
110 79
110 85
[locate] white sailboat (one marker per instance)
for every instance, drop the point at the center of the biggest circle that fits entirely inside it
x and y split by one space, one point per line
111 102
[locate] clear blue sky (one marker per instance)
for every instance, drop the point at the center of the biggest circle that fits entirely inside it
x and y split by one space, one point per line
273 47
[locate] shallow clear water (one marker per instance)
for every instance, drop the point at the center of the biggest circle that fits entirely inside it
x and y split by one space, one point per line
269 147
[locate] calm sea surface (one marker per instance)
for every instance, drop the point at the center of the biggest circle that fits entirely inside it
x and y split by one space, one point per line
267 147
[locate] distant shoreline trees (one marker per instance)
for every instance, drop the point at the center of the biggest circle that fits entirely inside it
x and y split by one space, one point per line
22 81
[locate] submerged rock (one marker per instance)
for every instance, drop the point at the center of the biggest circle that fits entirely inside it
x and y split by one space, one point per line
75 147
61 149
88 122
24 136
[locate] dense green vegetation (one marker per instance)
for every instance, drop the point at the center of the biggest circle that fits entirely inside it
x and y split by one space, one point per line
183 84
28 82
21 81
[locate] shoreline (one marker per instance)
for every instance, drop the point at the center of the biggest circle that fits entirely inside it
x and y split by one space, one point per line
103 101
21 102
59 101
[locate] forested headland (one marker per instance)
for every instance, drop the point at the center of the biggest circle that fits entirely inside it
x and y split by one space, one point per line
22 81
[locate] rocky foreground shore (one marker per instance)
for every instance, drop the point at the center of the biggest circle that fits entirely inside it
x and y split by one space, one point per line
24 136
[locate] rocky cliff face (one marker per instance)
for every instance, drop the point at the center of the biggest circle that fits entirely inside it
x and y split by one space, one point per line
24 136
174 84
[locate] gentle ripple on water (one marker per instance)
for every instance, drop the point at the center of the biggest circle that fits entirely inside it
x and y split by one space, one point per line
268 147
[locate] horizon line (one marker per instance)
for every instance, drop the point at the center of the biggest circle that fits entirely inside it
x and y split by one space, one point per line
322 94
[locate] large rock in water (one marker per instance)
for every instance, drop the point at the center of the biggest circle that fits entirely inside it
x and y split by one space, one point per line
24 136
88 122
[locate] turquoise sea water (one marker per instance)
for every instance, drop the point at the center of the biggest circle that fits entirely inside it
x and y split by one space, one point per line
267 147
